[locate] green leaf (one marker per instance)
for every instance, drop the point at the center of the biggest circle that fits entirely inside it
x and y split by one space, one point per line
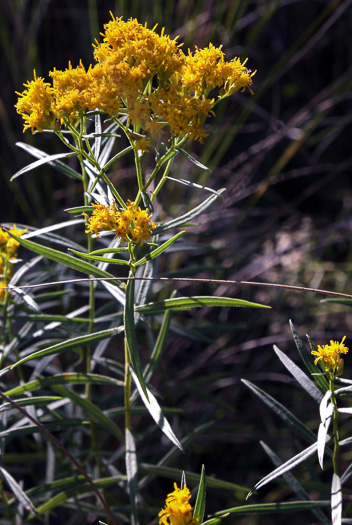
282 412
187 217
186 303
63 258
130 335
155 411
159 346
158 251
71 378
71 343
192 159
77 489
309 361
175 473
28 401
92 410
199 507
300 376
21 496
56 426
194 185
100 259
78 210
275 508
44 158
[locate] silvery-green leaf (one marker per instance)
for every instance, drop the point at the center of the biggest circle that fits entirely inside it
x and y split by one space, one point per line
300 376
131 470
336 500
155 411
295 485
289 465
323 407
322 435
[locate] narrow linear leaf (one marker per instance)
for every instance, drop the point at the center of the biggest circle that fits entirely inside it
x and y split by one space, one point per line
198 210
295 485
275 508
347 474
71 343
56 426
72 487
71 378
132 472
130 335
289 465
159 346
92 410
214 521
78 210
299 375
186 303
158 251
199 507
52 160
336 500
155 411
18 492
28 401
91 257
308 360
282 412
192 159
175 473
63 258
189 183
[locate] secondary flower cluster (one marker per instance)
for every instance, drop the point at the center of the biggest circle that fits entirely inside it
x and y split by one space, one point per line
139 73
8 252
130 224
178 510
330 355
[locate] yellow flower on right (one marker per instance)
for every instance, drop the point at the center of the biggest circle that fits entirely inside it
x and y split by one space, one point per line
330 355
178 510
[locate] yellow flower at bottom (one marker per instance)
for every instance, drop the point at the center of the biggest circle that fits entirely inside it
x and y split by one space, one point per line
330 355
177 509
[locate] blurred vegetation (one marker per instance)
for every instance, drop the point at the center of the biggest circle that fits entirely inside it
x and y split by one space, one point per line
284 156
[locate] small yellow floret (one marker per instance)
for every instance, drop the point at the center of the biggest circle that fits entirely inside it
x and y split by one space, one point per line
330 355
178 510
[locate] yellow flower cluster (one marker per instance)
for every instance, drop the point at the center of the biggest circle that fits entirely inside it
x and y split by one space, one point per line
177 510
143 74
8 252
131 224
330 355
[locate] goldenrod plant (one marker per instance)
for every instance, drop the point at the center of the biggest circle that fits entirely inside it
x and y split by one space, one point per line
73 331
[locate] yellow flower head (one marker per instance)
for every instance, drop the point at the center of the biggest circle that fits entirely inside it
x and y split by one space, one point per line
73 91
177 509
330 355
37 105
130 224
2 289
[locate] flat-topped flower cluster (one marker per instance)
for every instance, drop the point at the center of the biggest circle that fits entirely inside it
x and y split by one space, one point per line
140 74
